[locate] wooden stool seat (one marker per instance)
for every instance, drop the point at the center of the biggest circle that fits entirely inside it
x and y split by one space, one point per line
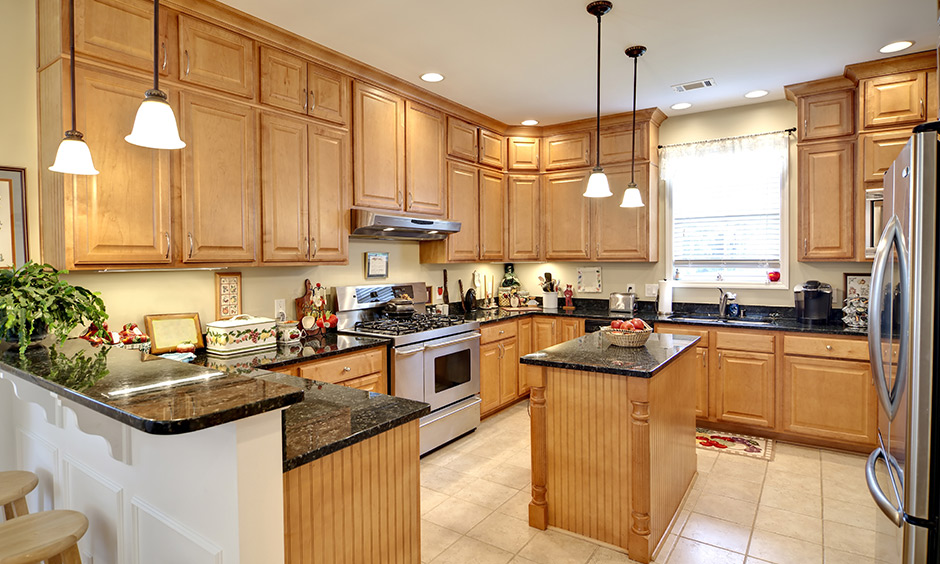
48 535
14 486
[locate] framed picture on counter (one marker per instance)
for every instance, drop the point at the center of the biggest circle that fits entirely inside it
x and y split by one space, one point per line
13 243
857 285
167 330
228 294
376 265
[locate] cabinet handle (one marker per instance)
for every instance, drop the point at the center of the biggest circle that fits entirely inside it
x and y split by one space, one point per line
536 249
313 101
411 200
307 252
804 128
306 99
190 235
163 46
922 113
186 54
804 246
597 249
704 359
398 197
719 361
502 351
501 331
167 235
828 347
315 246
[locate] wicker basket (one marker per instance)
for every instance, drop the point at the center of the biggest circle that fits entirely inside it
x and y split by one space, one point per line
632 339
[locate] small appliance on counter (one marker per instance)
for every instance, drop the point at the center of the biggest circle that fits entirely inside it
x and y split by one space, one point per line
622 302
813 300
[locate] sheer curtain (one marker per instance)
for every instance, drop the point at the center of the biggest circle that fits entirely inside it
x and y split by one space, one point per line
727 199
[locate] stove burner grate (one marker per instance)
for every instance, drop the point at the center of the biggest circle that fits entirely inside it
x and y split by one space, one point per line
415 324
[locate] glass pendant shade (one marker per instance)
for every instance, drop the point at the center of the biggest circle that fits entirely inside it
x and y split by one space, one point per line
155 125
632 197
597 186
73 156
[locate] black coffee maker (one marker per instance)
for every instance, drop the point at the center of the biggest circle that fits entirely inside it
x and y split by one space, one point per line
813 301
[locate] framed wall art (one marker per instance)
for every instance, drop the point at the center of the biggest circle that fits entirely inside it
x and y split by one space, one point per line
170 329
14 249
376 265
228 294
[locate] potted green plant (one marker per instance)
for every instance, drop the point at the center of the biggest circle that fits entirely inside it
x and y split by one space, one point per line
35 301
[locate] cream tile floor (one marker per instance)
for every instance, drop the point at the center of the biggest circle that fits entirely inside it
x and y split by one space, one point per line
807 506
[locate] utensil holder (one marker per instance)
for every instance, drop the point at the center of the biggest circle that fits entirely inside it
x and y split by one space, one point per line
550 300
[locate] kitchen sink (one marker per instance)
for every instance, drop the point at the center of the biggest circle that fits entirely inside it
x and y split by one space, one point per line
702 318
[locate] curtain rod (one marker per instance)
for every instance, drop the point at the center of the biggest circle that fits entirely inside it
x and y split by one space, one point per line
789 130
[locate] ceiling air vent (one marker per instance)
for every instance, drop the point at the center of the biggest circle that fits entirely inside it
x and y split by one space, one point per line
694 85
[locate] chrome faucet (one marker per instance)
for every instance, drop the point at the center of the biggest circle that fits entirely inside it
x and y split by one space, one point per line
723 303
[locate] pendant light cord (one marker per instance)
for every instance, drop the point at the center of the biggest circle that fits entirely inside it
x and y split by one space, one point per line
72 57
598 113
156 44
636 60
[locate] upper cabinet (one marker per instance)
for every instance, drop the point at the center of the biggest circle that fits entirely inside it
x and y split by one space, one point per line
893 100
825 115
878 151
424 160
328 91
471 143
826 196
378 148
215 57
492 215
121 32
524 229
328 182
290 83
523 154
567 150
492 150
628 234
616 144
566 214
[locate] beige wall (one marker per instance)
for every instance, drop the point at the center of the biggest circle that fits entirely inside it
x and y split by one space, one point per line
129 296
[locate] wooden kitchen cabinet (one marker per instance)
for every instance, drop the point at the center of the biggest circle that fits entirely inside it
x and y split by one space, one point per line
544 332
378 148
284 201
489 377
745 388
328 95
567 150
569 328
499 366
825 115
826 196
509 371
894 100
524 231
121 32
328 158
616 144
702 403
566 215
627 234
218 187
424 165
215 57
283 80
461 139
365 370
492 216
463 205
878 151
523 154
492 151
526 339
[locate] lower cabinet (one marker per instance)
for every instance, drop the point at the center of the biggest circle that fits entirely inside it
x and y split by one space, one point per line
746 388
499 366
364 370
701 383
526 346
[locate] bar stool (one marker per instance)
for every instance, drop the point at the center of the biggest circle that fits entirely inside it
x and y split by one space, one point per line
48 535
13 489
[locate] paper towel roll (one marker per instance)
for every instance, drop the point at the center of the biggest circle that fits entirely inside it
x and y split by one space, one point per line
665 297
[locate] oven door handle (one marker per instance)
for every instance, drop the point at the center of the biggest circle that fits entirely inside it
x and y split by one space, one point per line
473 337
399 352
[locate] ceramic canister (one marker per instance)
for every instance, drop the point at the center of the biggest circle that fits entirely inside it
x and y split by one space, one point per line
288 332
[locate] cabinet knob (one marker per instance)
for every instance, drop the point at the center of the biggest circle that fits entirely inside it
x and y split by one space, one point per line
501 331
347 369
828 347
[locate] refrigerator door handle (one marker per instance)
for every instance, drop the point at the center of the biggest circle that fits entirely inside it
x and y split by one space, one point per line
888 508
892 236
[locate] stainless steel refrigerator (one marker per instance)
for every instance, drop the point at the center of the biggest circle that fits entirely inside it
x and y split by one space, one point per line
903 473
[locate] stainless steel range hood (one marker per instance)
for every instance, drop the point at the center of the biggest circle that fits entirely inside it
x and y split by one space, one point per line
387 226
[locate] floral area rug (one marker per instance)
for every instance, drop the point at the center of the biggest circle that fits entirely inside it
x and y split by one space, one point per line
746 445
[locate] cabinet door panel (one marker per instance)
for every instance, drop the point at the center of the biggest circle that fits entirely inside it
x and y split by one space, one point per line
543 332
218 180
122 215
570 150
830 399
826 201
120 31
491 149
566 213
525 337
379 148
570 329
617 145
215 57
283 80
896 99
746 388
425 173
523 153
492 212
830 114
879 150
628 234
328 186
701 383
508 371
463 204
489 377
328 93
461 139
523 211
283 189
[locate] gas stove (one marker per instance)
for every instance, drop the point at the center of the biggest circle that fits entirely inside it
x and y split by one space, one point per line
403 326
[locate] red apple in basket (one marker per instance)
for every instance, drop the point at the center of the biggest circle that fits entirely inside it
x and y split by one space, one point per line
638 324
615 324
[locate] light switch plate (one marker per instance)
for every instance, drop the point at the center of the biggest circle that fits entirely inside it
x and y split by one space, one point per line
280 310
652 290
631 287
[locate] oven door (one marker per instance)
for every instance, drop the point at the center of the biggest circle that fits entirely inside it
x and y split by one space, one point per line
451 369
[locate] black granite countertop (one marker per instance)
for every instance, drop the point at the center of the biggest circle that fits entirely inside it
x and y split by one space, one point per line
592 353
146 392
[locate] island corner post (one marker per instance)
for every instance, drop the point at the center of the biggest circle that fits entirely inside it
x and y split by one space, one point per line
613 456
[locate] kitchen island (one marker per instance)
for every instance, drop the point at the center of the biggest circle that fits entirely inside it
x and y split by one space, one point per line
613 438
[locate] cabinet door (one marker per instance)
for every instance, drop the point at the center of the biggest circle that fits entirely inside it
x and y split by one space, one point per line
543 332
379 148
523 212
328 93
570 329
425 166
215 57
283 189
490 363
371 383
829 399
508 370
121 32
283 80
701 383
830 114
122 215
746 388
525 338
523 153
879 150
461 139
895 99
826 201
328 189
492 216
219 193
628 234
463 205
491 149
616 145
566 214
570 150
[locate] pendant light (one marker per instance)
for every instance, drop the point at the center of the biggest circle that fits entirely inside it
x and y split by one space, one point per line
631 196
155 125
73 156
597 186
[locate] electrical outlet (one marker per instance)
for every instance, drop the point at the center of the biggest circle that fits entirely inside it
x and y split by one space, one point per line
631 287
280 310
652 290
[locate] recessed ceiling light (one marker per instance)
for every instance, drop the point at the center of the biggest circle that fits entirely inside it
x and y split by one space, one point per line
432 77
530 122
681 106
896 46
756 94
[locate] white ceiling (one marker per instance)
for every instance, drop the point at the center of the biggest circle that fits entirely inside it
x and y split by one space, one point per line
520 59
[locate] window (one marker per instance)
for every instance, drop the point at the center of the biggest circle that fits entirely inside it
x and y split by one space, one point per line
726 218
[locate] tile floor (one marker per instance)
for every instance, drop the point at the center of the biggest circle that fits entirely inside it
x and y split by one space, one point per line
807 506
